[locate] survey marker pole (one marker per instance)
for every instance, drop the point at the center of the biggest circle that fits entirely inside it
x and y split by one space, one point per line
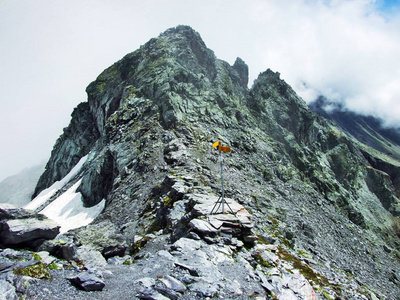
222 180
221 199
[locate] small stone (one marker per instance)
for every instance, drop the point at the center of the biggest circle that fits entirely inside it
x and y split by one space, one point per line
46 258
146 282
150 294
204 289
251 239
87 282
387 249
191 270
114 250
116 260
210 240
170 294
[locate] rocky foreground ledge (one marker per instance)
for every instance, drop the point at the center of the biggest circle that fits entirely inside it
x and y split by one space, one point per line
24 228
213 256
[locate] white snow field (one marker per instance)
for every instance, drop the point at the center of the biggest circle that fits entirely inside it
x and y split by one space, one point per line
67 210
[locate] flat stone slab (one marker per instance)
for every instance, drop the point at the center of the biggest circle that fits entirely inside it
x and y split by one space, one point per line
204 204
202 227
229 220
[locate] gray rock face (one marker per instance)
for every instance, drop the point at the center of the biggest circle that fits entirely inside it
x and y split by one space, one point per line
148 127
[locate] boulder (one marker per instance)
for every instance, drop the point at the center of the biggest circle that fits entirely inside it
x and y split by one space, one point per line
87 282
114 250
26 231
67 251
91 257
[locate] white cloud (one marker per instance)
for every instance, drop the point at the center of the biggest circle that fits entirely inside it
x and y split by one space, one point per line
51 50
345 50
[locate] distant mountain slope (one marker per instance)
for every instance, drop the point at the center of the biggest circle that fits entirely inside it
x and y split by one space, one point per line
366 129
18 189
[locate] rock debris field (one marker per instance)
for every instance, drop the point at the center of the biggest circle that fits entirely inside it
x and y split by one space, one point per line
218 259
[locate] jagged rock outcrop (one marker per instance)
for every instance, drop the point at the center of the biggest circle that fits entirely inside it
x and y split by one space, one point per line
320 200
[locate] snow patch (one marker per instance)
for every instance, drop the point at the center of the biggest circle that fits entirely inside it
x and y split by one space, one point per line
68 210
50 191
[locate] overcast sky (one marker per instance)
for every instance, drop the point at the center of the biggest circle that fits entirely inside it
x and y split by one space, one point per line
51 50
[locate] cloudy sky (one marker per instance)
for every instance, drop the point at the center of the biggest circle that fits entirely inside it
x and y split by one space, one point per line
51 50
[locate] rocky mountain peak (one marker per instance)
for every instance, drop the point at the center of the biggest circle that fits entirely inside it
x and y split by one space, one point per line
141 147
243 71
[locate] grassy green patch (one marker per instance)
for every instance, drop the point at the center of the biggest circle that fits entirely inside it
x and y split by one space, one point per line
36 256
37 271
53 266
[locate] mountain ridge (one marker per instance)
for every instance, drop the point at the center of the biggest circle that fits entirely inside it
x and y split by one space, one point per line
148 127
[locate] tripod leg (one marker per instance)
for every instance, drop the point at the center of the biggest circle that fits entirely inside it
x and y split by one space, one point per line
229 206
216 203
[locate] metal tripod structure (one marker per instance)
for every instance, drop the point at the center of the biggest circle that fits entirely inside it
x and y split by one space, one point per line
221 200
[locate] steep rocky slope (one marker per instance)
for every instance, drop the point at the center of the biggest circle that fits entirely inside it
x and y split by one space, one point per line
328 205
